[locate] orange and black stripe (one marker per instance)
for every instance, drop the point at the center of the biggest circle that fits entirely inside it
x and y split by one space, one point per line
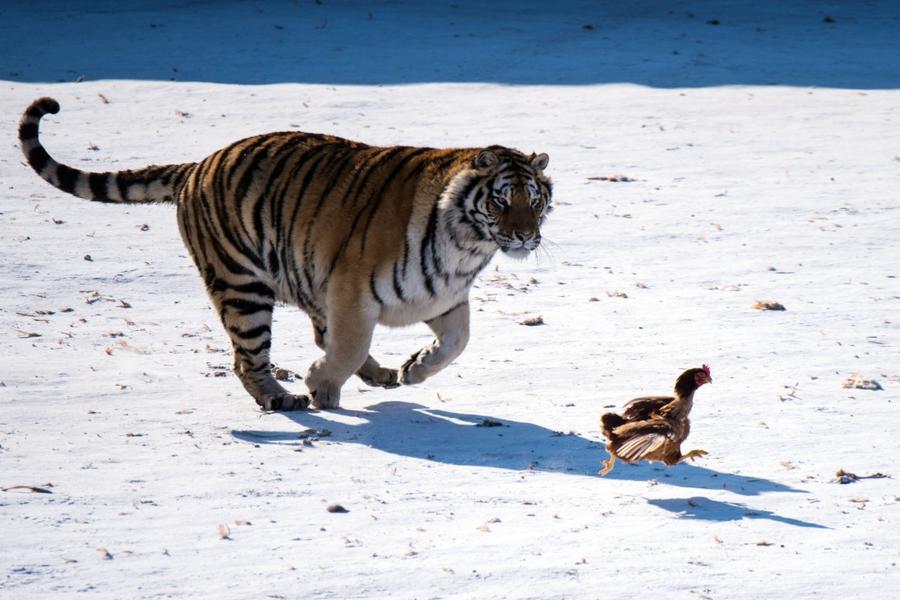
148 185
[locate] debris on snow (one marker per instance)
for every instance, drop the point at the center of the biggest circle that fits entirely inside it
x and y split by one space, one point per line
29 488
282 374
532 321
612 178
313 435
844 477
768 305
857 382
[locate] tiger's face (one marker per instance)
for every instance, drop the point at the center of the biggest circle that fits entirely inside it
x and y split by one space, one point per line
514 201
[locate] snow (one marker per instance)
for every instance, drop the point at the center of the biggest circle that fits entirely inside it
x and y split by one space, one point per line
765 156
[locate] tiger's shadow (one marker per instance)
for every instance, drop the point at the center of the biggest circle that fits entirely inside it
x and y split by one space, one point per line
416 431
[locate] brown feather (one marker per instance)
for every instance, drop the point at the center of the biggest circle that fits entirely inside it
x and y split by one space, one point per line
653 427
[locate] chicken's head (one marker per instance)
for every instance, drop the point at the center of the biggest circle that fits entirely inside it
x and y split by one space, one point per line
690 380
702 375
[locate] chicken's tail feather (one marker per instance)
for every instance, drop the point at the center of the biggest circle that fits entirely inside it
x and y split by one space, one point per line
610 421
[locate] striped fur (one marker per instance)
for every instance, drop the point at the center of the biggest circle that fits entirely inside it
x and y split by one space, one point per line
355 235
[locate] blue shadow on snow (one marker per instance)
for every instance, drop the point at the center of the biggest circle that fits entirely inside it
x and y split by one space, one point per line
417 431
704 509
655 43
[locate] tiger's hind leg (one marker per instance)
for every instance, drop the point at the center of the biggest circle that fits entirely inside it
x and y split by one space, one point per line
246 313
451 330
240 296
372 373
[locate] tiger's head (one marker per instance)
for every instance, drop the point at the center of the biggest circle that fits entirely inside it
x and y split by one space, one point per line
508 199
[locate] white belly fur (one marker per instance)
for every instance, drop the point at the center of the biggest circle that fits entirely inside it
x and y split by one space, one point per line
408 313
418 304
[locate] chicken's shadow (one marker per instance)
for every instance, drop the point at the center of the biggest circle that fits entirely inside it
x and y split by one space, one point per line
417 431
691 475
704 509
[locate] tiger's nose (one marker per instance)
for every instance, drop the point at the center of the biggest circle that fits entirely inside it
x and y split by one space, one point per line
529 238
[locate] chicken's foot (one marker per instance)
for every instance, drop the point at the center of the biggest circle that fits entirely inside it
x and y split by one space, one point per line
694 454
608 465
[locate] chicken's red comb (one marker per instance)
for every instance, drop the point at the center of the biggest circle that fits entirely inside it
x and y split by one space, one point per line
706 370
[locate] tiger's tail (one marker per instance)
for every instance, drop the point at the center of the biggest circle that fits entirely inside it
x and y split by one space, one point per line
153 184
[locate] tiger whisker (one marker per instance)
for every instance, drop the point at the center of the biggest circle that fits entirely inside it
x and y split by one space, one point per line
545 251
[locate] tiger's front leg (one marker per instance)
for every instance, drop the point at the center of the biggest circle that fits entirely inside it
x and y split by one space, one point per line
452 332
351 321
372 373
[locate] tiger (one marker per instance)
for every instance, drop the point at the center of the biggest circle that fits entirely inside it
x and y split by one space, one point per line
352 234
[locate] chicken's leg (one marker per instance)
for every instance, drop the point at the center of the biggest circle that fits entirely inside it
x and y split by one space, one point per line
608 465
694 454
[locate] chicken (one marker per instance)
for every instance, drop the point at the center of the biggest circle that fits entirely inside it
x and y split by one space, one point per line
654 427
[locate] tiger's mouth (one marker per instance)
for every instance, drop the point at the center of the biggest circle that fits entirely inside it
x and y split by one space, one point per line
516 248
518 253
517 244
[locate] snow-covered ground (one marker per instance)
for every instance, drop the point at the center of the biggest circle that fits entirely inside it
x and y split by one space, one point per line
764 153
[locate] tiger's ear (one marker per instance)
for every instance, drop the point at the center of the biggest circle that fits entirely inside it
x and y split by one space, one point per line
485 160
540 161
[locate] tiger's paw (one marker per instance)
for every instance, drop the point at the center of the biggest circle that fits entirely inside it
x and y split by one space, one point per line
325 399
285 402
409 374
383 378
